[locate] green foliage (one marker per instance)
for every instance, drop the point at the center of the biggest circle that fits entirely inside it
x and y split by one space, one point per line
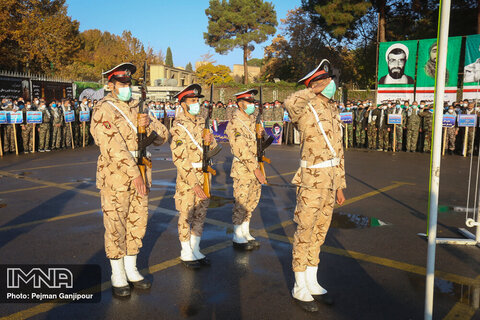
169 58
189 67
255 62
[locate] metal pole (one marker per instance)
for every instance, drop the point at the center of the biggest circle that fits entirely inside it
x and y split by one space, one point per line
442 44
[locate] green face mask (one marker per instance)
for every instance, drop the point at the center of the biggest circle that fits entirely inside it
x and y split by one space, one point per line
124 94
329 90
250 109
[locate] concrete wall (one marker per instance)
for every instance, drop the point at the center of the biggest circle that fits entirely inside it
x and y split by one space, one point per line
183 77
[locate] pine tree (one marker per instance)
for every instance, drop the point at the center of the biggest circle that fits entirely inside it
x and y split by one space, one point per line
169 58
189 67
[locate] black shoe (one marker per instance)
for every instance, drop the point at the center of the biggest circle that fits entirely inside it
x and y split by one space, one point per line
243 246
254 243
195 264
204 262
323 298
142 284
310 306
121 291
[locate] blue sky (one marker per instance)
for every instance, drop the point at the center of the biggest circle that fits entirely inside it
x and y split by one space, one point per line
177 24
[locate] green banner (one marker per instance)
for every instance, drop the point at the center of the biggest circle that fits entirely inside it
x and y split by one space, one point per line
427 57
396 63
471 72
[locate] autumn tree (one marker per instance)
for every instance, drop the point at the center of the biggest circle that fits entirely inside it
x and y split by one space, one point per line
210 74
239 24
169 58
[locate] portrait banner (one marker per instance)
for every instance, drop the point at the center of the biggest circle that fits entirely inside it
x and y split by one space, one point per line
396 71
274 129
427 57
471 72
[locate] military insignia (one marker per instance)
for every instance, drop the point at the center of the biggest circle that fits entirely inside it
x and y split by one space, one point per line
107 124
128 73
237 134
179 142
325 67
195 91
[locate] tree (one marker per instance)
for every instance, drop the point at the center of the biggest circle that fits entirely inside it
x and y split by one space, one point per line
255 62
169 58
210 74
189 67
237 24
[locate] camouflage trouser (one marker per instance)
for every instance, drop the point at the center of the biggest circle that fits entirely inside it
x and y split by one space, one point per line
44 136
412 138
372 136
247 194
427 141
87 131
8 138
192 213
451 137
384 138
66 136
399 137
470 139
125 215
350 134
76 133
57 136
313 215
27 137
359 135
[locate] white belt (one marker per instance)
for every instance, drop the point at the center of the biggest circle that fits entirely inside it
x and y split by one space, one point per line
197 165
135 154
325 164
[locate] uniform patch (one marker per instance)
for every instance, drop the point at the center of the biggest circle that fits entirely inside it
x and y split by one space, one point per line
179 142
107 124
237 134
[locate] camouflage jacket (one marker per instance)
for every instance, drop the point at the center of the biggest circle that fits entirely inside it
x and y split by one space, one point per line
186 155
243 143
116 166
314 148
413 118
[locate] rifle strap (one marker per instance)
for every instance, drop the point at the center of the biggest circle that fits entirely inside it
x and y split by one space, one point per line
191 137
320 126
125 116
246 127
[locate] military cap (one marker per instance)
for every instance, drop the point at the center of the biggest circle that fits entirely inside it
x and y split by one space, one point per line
322 71
248 95
192 91
121 73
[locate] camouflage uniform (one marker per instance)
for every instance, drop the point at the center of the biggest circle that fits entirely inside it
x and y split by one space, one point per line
219 113
8 136
44 130
246 187
76 125
427 129
187 157
371 116
278 113
316 186
67 138
125 212
267 114
451 138
413 128
383 129
360 125
57 128
399 128
87 126
229 112
27 133
470 133
350 134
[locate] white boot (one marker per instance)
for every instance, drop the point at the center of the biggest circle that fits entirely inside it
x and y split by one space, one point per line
312 283
246 230
195 244
119 278
131 268
300 290
238 236
187 253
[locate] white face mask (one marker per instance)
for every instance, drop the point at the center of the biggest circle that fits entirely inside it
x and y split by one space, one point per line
450 110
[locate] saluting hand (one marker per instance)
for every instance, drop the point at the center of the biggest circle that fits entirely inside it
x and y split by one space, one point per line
143 120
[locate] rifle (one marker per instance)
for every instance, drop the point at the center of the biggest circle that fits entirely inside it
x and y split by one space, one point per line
262 143
207 153
165 114
143 140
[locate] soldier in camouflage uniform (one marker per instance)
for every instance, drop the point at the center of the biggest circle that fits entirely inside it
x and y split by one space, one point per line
27 130
413 127
8 136
320 179
371 116
349 126
57 127
219 112
123 191
427 116
278 112
190 200
44 128
360 126
452 133
470 131
84 107
267 114
383 128
246 174
399 129
67 138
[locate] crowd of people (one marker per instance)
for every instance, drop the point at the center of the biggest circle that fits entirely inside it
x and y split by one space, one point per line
369 127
